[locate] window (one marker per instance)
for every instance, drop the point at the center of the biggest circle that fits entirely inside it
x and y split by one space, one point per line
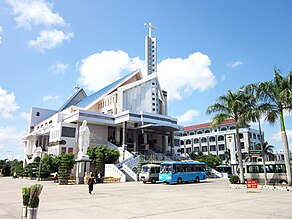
242 145
68 132
63 149
240 135
199 132
70 150
188 141
221 147
220 138
196 141
203 140
212 139
207 131
212 148
222 156
196 149
204 149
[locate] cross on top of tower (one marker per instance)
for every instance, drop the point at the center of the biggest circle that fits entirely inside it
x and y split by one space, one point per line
150 28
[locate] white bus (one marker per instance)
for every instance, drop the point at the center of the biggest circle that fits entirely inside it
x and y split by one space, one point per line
149 173
276 172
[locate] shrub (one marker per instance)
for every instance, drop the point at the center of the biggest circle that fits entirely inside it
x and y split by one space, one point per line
234 179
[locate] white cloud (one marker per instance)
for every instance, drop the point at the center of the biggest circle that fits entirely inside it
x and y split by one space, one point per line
181 77
25 115
235 64
35 12
100 69
7 104
50 98
188 116
1 30
59 68
39 13
277 136
223 77
50 39
10 134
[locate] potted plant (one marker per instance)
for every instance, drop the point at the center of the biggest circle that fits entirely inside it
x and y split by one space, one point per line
35 191
25 201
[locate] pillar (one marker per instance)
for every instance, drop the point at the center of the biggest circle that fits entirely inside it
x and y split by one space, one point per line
124 142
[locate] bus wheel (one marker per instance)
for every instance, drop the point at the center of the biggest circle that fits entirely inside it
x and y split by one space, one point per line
144 182
179 181
197 180
153 180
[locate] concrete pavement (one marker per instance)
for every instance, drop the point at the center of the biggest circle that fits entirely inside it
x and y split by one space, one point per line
209 199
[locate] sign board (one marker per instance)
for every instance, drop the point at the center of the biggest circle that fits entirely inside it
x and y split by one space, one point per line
255 153
251 184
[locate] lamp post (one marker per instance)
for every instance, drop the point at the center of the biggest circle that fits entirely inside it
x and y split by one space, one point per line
40 165
12 154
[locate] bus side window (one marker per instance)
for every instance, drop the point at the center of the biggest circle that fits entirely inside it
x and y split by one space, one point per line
152 170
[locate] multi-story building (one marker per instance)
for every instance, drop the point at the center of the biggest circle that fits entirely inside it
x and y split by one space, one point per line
217 140
130 113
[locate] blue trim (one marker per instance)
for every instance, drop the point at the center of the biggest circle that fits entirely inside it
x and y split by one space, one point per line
89 99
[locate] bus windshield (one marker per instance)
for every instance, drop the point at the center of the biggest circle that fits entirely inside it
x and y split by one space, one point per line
166 168
145 169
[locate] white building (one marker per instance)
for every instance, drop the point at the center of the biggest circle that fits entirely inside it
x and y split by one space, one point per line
216 140
129 114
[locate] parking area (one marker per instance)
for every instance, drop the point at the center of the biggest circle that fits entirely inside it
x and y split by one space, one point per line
209 199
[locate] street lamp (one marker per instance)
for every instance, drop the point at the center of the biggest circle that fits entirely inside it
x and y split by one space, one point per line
40 165
12 153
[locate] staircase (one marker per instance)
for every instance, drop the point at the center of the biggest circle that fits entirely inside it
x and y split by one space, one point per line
215 174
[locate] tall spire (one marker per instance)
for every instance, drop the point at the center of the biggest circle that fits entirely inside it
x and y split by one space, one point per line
150 28
150 50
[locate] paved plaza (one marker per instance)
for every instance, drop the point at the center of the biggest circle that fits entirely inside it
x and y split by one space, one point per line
209 199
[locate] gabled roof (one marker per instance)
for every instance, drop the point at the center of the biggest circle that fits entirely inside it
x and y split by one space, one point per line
208 125
75 98
109 88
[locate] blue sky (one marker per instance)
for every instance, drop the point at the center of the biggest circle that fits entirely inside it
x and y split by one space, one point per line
204 49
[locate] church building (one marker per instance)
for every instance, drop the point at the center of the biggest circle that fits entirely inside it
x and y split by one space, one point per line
130 114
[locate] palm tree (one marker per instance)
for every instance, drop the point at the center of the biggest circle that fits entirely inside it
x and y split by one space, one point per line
232 105
277 93
253 114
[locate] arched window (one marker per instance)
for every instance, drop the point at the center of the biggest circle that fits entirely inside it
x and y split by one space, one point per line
240 135
232 128
223 129
192 133
188 141
185 134
220 138
181 142
207 131
196 141
212 139
199 132
204 140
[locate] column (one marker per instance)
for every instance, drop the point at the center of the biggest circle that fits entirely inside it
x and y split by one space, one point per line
124 142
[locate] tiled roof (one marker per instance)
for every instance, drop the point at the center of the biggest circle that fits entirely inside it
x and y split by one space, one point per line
89 99
70 100
207 125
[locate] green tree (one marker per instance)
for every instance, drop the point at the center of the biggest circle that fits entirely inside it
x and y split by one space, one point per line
253 113
210 160
16 166
101 155
277 93
66 164
232 105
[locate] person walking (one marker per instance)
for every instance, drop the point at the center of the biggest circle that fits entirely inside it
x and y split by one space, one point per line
90 183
